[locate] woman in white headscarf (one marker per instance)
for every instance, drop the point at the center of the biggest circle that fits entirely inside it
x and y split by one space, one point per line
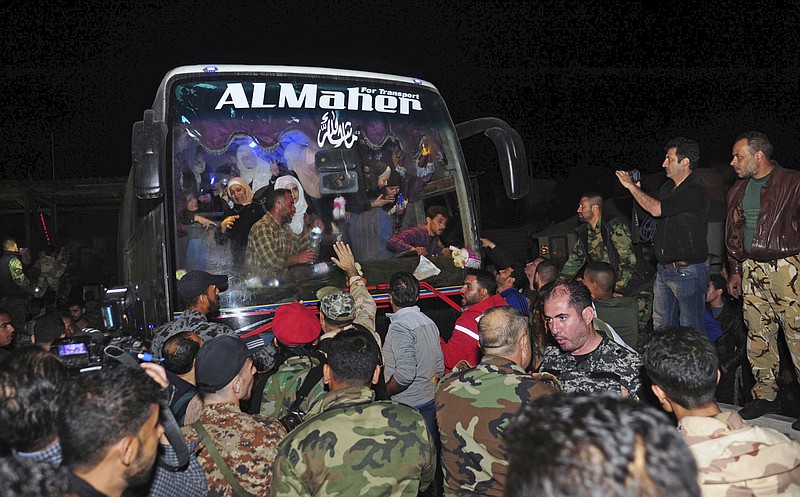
289 182
237 220
253 169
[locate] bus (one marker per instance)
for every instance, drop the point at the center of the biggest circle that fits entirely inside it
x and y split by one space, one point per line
337 133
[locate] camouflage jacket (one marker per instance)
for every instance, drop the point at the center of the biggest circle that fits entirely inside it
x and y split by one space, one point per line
197 322
607 368
734 458
356 446
247 443
609 241
281 388
473 409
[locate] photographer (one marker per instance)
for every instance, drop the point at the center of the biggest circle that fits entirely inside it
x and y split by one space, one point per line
680 240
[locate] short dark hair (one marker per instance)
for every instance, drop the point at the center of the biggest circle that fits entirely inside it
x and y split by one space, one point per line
100 408
547 270
585 445
579 296
78 302
757 142
274 196
32 381
594 198
718 281
518 273
485 279
179 352
404 289
603 274
47 328
684 364
685 148
352 357
436 210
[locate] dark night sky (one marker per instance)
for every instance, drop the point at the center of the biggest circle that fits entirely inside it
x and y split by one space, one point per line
590 86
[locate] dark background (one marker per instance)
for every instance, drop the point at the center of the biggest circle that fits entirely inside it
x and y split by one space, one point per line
591 86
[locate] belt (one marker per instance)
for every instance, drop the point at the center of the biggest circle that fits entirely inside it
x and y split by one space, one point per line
675 265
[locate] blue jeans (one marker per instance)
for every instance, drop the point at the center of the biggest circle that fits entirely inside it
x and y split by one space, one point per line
679 296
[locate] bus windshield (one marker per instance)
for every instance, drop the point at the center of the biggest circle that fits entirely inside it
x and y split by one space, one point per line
268 171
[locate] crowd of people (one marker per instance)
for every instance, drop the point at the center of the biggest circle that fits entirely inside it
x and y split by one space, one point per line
553 381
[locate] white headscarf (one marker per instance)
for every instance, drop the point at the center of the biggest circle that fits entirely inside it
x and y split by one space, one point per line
258 176
298 221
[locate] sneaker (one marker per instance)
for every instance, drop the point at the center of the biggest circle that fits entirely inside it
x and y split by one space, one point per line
759 407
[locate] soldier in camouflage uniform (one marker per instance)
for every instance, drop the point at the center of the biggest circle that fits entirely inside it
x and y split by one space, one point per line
351 444
340 310
609 240
762 235
246 444
201 291
584 360
296 331
474 406
733 458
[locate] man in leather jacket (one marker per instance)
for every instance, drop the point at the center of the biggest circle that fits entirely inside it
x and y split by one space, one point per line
762 235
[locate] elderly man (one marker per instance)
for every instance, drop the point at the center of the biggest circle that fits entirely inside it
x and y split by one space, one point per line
201 292
763 241
352 444
479 294
733 458
680 239
238 448
272 246
474 406
585 360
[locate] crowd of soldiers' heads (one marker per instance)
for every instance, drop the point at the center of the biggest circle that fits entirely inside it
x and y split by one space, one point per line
575 445
683 363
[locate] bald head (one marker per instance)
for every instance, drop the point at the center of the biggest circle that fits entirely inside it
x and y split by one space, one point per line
503 332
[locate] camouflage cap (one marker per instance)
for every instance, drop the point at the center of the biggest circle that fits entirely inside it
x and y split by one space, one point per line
336 304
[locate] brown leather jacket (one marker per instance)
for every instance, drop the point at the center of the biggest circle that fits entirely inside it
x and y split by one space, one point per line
777 233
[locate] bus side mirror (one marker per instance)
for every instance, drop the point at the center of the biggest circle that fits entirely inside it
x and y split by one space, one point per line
510 152
148 142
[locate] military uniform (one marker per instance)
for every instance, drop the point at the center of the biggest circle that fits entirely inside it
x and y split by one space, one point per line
247 443
607 368
281 388
192 320
473 409
597 248
356 446
734 458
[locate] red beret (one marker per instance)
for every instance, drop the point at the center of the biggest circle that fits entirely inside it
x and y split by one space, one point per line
295 324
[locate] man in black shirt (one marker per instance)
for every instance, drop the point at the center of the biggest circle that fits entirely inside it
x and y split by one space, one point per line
680 240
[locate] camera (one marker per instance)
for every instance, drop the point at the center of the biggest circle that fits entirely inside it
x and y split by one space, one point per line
635 175
292 420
